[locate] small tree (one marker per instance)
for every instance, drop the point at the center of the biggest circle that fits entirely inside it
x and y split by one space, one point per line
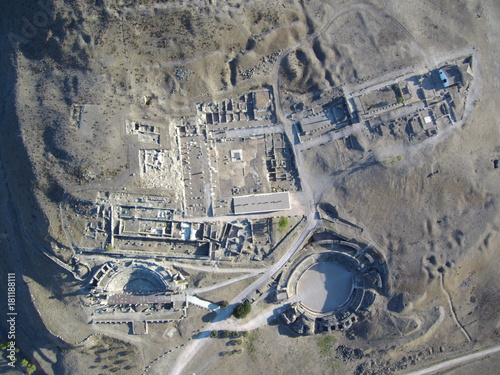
235 334
225 333
283 224
214 334
242 310
31 368
224 304
244 333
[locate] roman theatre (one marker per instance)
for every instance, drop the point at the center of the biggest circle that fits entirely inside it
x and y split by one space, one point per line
330 285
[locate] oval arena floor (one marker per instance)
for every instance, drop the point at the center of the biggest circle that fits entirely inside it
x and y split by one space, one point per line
324 286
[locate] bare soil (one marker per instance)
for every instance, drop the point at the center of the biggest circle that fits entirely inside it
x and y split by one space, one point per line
432 210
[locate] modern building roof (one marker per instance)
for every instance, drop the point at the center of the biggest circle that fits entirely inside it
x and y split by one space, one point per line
236 155
256 203
450 75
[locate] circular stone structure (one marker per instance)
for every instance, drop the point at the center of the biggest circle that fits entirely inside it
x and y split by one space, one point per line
325 286
330 285
133 277
137 278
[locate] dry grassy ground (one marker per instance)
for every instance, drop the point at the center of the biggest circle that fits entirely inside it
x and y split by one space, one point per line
438 231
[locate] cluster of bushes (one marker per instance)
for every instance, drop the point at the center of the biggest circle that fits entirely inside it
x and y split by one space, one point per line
30 367
399 94
225 334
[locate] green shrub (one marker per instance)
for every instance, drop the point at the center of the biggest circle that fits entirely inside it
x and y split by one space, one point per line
242 310
325 343
31 368
283 224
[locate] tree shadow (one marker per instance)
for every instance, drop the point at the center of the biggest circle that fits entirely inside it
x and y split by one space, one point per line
202 335
207 318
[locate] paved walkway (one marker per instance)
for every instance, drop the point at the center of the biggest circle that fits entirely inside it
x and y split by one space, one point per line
223 284
247 132
202 303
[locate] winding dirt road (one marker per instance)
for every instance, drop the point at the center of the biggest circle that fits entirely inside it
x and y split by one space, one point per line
457 361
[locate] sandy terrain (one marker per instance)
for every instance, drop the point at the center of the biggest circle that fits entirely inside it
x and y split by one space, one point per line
324 286
431 208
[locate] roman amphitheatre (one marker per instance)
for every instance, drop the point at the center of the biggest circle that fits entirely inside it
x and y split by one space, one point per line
301 187
331 286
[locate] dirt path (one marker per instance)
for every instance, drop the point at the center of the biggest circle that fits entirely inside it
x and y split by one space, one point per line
221 319
220 285
457 361
214 269
453 312
263 318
